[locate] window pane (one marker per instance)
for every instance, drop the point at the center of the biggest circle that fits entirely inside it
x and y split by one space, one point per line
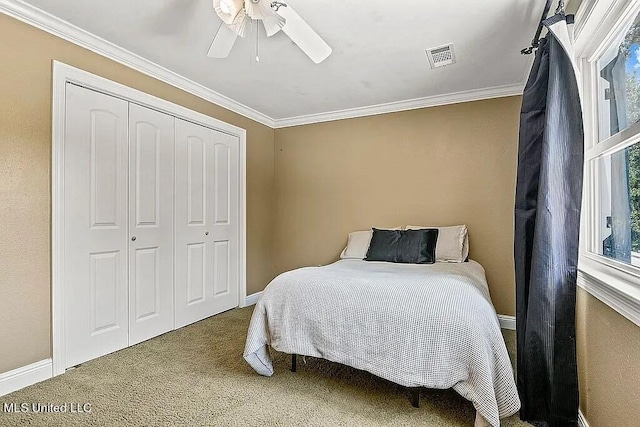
619 83
619 223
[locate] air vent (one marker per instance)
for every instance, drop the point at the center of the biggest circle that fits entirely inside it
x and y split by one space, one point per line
441 56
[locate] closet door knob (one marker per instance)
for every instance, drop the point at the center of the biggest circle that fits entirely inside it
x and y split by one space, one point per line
206 233
133 239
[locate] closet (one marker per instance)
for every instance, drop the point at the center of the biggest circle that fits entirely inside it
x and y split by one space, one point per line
151 223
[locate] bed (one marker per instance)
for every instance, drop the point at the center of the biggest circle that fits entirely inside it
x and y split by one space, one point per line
417 325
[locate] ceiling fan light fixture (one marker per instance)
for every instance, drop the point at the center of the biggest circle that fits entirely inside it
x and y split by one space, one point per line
228 10
275 16
259 9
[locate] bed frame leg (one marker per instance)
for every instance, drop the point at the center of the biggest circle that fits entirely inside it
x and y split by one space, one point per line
415 397
294 360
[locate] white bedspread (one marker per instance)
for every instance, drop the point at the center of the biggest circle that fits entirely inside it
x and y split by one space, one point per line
416 325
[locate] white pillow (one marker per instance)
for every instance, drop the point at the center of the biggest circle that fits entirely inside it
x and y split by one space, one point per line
452 244
358 244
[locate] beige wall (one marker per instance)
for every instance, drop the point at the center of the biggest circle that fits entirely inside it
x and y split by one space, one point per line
25 166
434 166
444 165
608 364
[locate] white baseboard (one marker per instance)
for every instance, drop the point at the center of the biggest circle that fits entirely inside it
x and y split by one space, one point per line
507 322
252 299
582 421
25 376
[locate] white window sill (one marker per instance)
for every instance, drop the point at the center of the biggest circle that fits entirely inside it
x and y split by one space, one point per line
615 285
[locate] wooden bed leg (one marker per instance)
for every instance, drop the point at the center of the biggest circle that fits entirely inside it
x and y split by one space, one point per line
294 367
415 397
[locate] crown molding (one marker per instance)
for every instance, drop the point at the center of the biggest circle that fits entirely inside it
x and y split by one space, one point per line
411 104
53 25
67 31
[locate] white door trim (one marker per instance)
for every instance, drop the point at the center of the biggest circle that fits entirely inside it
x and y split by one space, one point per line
63 74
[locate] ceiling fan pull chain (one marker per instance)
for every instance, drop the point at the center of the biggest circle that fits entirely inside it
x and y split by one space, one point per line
257 43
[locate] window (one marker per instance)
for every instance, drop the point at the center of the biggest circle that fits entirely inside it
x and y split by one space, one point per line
619 83
610 238
619 219
616 165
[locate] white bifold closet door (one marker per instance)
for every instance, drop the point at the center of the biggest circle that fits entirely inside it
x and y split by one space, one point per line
206 222
95 224
151 157
118 237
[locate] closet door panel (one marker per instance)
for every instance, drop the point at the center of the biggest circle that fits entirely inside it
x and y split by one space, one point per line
151 171
206 222
193 214
225 221
95 224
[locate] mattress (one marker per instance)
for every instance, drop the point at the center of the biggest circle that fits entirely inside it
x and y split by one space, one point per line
427 325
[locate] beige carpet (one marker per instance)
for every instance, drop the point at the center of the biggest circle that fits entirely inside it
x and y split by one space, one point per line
196 376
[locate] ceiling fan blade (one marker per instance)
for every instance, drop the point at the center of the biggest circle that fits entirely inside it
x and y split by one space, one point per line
303 35
222 43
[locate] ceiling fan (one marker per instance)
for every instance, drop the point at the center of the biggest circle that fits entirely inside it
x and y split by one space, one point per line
236 16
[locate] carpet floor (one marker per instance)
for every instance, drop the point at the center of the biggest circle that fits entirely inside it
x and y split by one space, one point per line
196 376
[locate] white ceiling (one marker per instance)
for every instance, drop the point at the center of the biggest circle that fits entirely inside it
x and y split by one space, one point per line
378 48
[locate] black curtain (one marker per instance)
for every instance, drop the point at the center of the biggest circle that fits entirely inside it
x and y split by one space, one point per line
547 226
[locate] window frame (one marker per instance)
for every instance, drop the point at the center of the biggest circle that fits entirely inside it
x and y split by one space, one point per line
598 25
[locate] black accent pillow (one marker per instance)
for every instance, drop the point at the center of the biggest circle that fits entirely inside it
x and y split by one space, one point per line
403 246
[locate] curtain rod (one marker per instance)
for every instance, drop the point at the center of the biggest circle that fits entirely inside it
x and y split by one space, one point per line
536 39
